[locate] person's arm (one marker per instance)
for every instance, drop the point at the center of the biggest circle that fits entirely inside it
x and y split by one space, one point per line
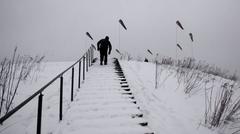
110 48
98 45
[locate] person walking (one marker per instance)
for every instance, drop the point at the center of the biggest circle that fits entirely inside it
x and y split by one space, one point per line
105 48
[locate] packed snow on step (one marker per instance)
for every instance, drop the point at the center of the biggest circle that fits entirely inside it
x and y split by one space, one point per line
102 106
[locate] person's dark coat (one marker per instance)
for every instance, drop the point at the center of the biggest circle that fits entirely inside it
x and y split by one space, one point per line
105 48
104 45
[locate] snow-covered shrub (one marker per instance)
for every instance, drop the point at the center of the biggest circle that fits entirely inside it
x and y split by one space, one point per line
191 79
222 104
188 63
12 72
166 61
234 110
125 56
191 63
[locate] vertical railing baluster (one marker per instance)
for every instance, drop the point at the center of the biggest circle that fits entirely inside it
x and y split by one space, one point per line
84 67
88 57
72 87
39 114
61 98
91 55
79 73
89 51
86 61
156 75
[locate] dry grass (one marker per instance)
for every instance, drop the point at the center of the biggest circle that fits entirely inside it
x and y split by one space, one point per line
12 72
222 105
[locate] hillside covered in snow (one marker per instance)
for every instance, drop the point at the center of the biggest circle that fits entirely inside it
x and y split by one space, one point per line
183 101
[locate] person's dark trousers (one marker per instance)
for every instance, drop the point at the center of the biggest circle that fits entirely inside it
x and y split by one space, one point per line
103 57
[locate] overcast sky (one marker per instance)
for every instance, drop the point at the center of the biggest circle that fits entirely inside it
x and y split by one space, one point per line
56 28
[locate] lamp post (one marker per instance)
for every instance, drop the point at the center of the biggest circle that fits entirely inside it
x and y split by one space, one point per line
88 34
178 24
156 72
90 59
191 37
119 33
119 53
156 67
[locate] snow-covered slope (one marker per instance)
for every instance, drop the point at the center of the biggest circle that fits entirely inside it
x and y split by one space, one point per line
167 108
100 107
24 121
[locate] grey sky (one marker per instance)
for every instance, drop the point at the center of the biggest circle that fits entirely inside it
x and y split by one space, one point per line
56 28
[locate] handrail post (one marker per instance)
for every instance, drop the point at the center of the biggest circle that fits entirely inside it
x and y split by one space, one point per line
72 84
39 114
84 67
88 58
89 51
91 54
61 98
79 74
156 75
86 61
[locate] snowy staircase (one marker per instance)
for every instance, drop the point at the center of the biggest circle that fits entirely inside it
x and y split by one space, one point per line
104 105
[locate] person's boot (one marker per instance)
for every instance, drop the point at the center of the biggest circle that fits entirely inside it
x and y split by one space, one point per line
101 63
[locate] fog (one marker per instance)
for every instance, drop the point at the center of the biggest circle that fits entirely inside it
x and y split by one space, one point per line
56 28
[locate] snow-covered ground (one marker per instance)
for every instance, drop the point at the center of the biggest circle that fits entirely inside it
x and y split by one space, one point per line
167 108
99 107
24 121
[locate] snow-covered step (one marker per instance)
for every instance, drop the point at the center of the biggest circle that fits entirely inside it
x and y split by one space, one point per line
118 121
103 115
104 99
105 102
108 130
121 105
109 112
103 110
107 96
98 92
104 105
113 93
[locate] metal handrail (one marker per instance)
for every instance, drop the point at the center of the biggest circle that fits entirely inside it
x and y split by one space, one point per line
87 56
